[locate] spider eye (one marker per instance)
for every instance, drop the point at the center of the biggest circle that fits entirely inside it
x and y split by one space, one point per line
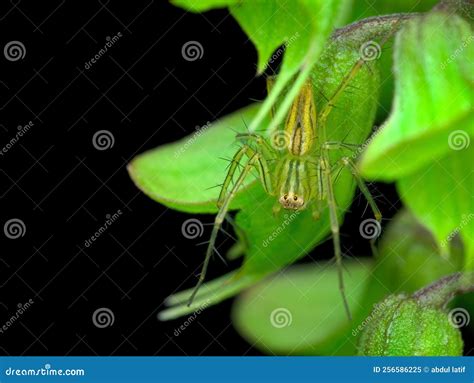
285 197
295 198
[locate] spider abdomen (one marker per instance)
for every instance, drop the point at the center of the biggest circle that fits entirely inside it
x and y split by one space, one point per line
300 127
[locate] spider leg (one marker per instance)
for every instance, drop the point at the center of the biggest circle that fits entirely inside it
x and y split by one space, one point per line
270 83
239 247
334 221
255 160
234 164
351 74
266 149
318 204
340 89
328 182
332 145
261 165
348 163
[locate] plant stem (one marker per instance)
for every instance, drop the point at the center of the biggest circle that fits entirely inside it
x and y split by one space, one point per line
440 293
372 27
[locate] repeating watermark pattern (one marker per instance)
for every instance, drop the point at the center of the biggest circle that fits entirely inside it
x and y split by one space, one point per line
370 51
103 140
466 8
360 149
370 228
458 51
465 219
378 307
110 42
192 51
281 317
281 50
459 317
14 228
199 131
192 228
286 222
14 51
21 309
103 317
189 320
110 219
280 139
459 140
22 130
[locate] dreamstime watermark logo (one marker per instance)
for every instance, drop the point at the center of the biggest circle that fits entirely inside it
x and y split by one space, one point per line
285 46
189 320
467 41
286 222
44 371
465 219
378 307
14 228
103 317
459 317
14 51
199 131
459 140
21 130
280 139
192 51
103 140
360 149
370 228
110 219
110 42
281 317
21 309
370 51
192 228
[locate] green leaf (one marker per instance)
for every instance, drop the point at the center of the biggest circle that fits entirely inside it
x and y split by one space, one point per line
304 38
181 175
203 5
425 144
301 27
434 97
300 312
409 257
404 326
273 23
270 24
363 9
442 197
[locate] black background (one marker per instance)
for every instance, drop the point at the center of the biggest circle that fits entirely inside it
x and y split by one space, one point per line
62 187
